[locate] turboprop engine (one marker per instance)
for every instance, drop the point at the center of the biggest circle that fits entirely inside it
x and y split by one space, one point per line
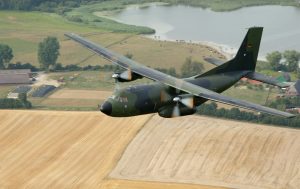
181 105
126 76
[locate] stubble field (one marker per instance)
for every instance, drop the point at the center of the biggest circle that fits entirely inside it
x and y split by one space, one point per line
57 149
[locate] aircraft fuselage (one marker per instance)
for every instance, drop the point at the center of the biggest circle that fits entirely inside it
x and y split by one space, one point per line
157 97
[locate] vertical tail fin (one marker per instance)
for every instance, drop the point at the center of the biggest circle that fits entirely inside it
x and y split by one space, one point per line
247 54
246 57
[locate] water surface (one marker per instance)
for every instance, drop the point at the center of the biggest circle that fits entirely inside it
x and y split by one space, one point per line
281 24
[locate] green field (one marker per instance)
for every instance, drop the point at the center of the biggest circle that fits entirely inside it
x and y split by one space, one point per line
24 30
5 89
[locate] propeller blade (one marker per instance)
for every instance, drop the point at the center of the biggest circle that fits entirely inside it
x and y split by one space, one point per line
176 111
117 85
188 102
126 75
164 96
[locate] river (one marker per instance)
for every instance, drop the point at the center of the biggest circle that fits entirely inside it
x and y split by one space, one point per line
227 29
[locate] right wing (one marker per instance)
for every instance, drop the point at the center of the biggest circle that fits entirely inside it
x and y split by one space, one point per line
265 79
172 81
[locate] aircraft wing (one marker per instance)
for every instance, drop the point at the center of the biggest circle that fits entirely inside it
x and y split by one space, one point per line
172 81
214 61
269 80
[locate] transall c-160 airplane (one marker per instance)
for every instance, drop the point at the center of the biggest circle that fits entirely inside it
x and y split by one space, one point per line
173 97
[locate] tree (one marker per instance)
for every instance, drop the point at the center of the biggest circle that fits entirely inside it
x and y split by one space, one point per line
6 55
292 58
191 68
48 52
274 59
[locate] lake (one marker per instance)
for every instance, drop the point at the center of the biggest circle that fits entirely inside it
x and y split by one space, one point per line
281 25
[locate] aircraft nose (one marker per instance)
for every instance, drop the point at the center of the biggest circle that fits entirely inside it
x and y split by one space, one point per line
106 108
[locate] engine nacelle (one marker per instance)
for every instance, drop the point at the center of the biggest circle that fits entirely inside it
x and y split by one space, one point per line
126 76
167 111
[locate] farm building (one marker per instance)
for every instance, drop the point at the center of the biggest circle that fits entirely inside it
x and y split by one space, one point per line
294 90
21 76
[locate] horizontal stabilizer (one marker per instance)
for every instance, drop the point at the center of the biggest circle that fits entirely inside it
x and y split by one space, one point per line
214 61
266 79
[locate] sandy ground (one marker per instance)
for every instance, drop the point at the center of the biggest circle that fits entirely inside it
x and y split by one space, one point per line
81 94
208 151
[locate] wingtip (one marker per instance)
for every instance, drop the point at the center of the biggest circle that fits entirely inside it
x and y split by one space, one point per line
291 116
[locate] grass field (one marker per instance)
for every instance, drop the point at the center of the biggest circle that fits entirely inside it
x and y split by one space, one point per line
5 89
252 95
17 31
57 149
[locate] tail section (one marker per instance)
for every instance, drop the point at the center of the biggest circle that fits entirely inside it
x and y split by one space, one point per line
246 57
247 54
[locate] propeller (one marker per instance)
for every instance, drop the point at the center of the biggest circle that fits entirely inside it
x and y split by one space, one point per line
126 75
116 76
176 110
186 100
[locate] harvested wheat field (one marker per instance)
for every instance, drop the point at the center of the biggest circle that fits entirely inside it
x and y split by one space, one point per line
56 149
44 149
208 151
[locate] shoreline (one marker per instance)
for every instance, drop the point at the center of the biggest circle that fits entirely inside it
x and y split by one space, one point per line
225 50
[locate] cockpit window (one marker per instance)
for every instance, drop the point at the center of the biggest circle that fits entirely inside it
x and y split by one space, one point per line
119 98
122 99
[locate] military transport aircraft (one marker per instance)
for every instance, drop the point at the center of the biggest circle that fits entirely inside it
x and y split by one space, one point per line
173 97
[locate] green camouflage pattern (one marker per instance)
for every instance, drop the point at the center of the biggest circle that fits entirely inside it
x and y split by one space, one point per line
170 96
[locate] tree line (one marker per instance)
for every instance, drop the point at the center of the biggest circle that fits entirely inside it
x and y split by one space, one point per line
48 52
20 103
284 61
39 4
236 114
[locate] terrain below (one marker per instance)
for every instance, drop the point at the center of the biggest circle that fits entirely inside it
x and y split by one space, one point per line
57 149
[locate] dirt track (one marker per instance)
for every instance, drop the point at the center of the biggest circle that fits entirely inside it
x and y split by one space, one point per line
48 149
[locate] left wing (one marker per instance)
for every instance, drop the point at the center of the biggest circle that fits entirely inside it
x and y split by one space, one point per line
172 81
214 61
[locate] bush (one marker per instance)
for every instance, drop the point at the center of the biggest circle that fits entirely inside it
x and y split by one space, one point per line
19 65
14 104
75 18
